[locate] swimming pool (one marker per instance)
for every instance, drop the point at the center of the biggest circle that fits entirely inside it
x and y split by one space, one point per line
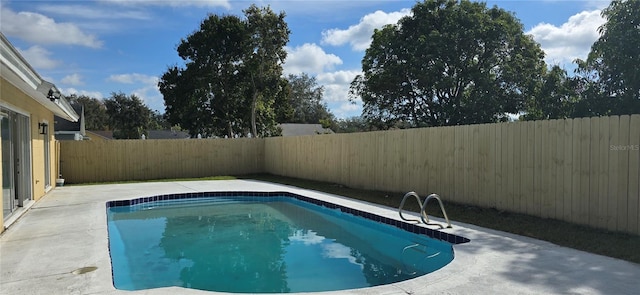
210 241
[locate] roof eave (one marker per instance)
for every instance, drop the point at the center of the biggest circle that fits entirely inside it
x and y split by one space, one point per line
17 71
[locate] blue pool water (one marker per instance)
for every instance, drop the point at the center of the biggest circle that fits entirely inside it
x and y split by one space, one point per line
275 245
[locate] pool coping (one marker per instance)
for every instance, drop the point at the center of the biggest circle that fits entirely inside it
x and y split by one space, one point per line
67 230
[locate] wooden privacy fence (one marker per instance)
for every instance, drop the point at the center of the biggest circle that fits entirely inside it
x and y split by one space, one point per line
118 160
582 170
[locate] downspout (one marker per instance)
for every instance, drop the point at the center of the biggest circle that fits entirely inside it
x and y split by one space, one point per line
58 175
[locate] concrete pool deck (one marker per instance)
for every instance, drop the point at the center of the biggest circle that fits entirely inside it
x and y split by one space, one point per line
67 230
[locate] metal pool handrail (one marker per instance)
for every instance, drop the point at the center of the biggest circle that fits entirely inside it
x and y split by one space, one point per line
424 218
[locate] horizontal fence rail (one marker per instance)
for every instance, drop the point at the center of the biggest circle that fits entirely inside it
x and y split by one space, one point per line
584 170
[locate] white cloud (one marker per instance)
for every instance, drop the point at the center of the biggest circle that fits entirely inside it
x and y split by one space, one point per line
133 78
359 35
151 96
347 109
309 58
571 40
73 79
39 29
339 77
39 58
71 90
336 92
173 3
147 88
336 85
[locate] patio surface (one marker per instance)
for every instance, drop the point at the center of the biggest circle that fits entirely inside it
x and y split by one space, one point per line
67 230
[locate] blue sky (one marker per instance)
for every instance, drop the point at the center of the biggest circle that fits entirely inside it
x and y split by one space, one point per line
99 47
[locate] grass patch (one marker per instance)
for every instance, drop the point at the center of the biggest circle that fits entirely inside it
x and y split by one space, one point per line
588 239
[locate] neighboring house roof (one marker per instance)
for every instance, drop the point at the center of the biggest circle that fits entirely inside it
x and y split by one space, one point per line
103 134
290 129
17 71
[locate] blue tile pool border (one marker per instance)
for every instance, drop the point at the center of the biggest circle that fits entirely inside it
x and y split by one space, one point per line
435 234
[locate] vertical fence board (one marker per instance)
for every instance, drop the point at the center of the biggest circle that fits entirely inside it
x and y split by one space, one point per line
448 143
602 172
594 179
491 162
634 175
528 165
459 150
508 165
414 155
440 147
541 168
500 155
494 164
558 168
435 172
538 162
388 153
515 166
401 165
584 140
469 165
550 194
476 188
520 142
424 161
623 167
484 167
613 174
575 172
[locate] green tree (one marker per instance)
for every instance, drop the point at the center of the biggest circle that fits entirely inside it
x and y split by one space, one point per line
610 77
555 98
448 63
305 100
158 121
232 80
269 34
95 112
352 124
128 116
284 110
207 97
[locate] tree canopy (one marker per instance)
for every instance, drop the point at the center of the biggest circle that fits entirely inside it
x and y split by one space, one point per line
95 112
304 101
129 117
448 63
610 76
232 79
555 98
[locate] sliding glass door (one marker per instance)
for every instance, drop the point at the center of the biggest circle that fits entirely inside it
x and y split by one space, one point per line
16 160
8 184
